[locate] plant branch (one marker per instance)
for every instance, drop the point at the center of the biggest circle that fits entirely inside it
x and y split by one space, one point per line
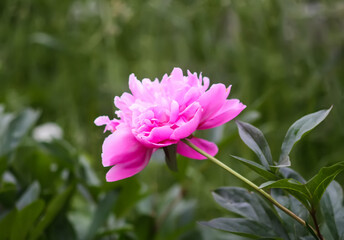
251 184
314 217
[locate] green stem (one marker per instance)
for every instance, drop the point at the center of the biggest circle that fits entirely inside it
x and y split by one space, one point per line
251 184
314 217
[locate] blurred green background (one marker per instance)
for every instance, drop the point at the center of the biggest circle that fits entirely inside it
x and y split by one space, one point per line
69 58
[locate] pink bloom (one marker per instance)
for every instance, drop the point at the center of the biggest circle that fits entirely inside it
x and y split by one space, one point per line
157 114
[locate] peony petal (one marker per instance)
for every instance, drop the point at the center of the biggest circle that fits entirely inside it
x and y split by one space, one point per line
205 83
187 128
212 100
159 134
110 124
124 101
102 120
121 146
208 147
174 111
229 110
192 79
177 74
125 170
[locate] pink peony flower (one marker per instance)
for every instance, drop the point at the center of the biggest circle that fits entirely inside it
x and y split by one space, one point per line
157 114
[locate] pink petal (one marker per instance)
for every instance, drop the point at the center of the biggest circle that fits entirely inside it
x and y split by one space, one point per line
229 110
208 147
212 100
102 120
192 118
174 111
159 134
110 124
191 95
137 89
205 83
125 101
192 79
177 74
121 147
125 170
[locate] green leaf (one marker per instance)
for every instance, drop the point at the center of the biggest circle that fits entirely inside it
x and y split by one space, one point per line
6 223
318 184
8 193
101 214
250 206
241 226
294 187
242 202
296 131
256 141
52 210
171 157
295 230
14 127
290 173
25 220
312 232
332 209
257 168
62 229
130 194
30 195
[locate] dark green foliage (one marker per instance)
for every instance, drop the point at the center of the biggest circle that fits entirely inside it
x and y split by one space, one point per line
255 140
306 193
295 132
171 157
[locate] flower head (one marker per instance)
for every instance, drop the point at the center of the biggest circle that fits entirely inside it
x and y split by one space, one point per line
158 114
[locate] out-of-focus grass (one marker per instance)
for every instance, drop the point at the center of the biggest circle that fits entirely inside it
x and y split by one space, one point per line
284 59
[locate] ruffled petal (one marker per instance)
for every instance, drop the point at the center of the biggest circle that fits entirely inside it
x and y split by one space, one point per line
177 74
159 134
229 110
110 124
120 147
174 111
187 128
208 147
102 120
125 170
212 100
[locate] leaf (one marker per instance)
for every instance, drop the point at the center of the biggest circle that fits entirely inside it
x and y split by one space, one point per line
312 232
30 195
296 131
62 229
25 220
250 206
52 210
8 193
290 173
295 230
256 141
318 184
257 168
6 223
332 209
242 202
130 194
294 187
101 214
244 227
171 157
14 127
